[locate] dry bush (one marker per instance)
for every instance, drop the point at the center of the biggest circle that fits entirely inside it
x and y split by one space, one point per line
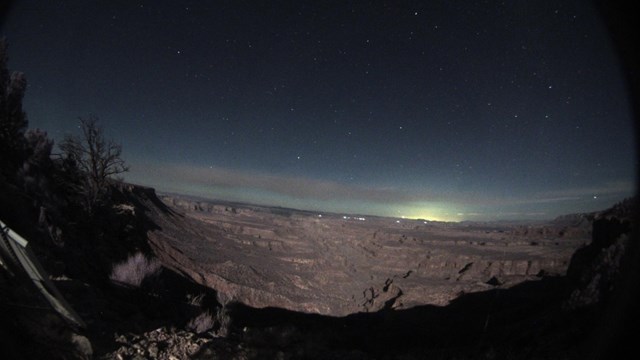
224 321
218 322
223 298
222 317
195 300
135 269
201 323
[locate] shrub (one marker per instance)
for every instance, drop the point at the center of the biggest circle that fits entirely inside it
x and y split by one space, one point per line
223 318
218 322
195 300
201 323
134 270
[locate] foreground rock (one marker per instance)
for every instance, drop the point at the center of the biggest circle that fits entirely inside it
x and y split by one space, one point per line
161 344
596 267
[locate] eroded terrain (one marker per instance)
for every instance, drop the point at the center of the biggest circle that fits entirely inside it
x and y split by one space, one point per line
334 264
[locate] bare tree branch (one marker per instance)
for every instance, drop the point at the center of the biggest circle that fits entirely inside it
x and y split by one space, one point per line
96 158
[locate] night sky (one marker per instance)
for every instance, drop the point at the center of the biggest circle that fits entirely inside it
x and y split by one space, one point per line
444 110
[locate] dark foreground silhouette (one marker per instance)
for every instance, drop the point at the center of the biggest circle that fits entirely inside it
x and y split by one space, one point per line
521 322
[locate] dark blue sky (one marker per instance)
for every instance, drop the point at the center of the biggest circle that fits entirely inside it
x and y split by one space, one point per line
467 110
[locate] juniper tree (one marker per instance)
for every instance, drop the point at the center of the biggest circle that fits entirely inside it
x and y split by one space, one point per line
13 120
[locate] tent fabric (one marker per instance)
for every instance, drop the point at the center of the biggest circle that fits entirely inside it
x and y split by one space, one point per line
16 255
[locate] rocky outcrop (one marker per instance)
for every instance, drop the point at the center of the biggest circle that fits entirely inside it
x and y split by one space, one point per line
597 277
386 296
595 268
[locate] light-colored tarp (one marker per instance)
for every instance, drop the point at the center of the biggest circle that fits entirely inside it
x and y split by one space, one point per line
14 249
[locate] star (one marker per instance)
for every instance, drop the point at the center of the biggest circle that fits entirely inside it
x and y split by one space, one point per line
343 89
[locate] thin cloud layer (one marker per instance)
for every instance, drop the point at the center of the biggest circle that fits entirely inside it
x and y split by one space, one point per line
292 191
295 187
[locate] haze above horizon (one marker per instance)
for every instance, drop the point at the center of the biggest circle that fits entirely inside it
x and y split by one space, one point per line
437 110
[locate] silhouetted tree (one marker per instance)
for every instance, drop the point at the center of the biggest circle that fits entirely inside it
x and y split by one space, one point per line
37 169
37 163
95 160
26 167
13 120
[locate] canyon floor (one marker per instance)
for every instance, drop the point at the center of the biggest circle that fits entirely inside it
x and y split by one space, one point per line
341 264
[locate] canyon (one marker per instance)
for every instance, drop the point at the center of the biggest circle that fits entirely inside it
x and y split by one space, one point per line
339 264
